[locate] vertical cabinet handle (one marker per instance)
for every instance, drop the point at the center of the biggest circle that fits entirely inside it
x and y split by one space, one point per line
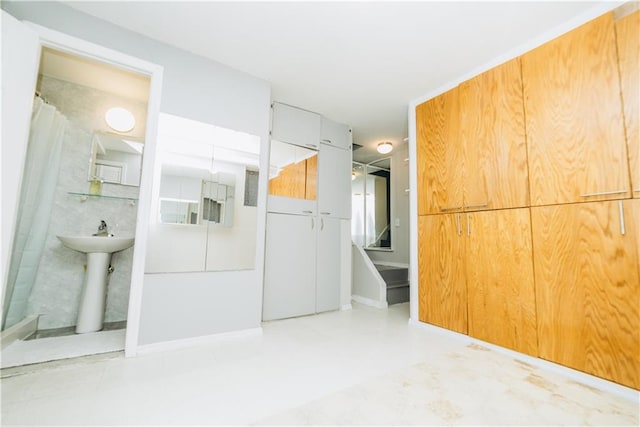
313 223
459 227
321 224
468 225
621 210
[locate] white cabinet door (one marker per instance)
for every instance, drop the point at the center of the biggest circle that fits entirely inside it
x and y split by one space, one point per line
295 126
329 262
335 134
334 182
290 266
20 60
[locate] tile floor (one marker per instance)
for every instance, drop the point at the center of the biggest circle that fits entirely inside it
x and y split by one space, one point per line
365 366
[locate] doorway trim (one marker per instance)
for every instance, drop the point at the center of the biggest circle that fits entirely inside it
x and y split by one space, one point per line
66 43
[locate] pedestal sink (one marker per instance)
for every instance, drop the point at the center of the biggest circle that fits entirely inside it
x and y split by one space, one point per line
94 292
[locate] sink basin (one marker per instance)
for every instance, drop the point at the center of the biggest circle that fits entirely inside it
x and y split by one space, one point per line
101 244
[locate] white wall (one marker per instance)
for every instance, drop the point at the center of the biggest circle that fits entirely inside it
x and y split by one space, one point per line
178 306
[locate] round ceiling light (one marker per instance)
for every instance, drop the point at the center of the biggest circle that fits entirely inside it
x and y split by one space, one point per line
120 119
385 147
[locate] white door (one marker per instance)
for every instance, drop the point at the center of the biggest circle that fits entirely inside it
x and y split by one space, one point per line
290 266
20 61
295 126
334 182
335 134
329 265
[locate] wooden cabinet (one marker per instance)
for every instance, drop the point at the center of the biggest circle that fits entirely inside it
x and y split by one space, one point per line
574 122
439 159
472 281
335 134
295 126
628 37
442 288
500 287
587 287
334 185
492 139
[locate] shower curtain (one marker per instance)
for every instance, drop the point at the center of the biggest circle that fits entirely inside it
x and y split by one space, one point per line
36 199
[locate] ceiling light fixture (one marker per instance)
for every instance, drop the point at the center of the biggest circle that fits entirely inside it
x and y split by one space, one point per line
120 119
385 147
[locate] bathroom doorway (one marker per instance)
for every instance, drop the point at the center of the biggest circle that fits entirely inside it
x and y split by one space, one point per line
83 175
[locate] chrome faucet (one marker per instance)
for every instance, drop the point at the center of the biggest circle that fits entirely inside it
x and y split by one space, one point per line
103 229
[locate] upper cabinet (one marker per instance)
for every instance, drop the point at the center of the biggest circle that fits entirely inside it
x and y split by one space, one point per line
335 134
295 126
492 138
334 183
575 128
439 155
628 36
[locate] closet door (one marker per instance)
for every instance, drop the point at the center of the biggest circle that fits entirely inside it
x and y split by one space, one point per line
334 182
493 136
575 127
502 307
628 36
328 266
439 155
290 266
588 287
442 289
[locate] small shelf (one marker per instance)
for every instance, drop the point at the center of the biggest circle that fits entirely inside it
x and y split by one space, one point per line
85 195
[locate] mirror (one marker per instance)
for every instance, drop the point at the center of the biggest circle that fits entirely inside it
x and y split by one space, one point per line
205 206
371 204
293 171
116 159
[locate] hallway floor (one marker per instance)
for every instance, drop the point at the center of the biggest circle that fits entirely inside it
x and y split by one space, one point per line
364 366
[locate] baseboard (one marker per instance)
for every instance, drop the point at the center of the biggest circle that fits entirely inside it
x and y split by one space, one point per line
370 302
577 376
192 342
346 307
19 331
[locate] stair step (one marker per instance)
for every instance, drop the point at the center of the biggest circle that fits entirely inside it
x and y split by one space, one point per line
403 284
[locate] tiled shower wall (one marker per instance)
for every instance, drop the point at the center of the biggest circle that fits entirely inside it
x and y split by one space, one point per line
57 289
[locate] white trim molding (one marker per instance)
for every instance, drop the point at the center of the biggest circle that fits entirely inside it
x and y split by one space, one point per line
369 301
196 341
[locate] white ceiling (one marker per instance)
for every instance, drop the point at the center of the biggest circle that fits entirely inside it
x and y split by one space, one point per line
359 63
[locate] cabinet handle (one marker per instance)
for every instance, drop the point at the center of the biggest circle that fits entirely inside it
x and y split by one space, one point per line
311 145
603 193
307 212
450 208
459 227
313 223
325 213
468 225
481 205
321 224
328 141
621 210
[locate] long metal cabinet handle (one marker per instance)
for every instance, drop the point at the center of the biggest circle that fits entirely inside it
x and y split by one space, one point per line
450 208
325 213
481 205
328 141
307 212
313 223
459 227
468 225
603 193
321 224
621 210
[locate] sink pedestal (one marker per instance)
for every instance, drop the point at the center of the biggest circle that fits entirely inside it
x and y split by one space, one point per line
94 293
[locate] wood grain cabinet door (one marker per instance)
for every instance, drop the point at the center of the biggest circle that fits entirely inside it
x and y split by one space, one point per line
628 36
493 136
439 155
588 287
500 283
441 272
574 122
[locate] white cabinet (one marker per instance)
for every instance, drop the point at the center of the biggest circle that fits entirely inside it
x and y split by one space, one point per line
290 266
329 259
295 126
335 134
334 182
